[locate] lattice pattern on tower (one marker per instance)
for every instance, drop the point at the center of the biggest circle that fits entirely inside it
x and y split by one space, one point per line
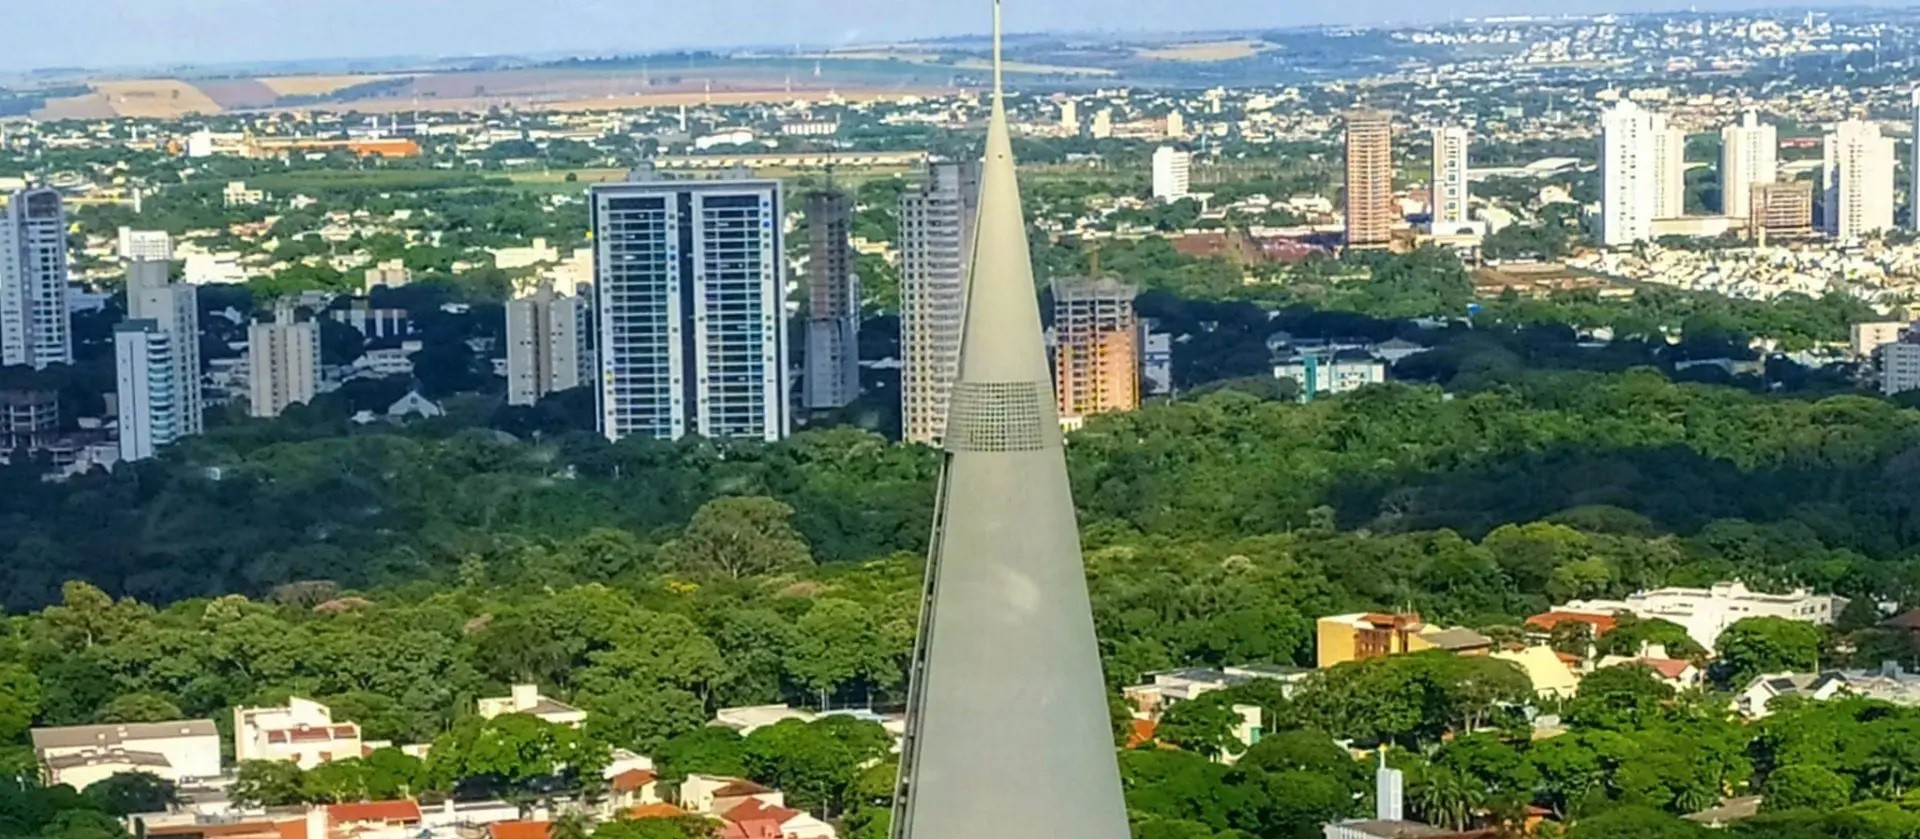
998 417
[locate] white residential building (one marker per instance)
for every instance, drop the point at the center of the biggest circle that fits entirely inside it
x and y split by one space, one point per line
1859 181
284 363
1172 173
1642 173
1339 373
392 273
1913 198
35 327
1899 367
1865 339
1448 184
1889 684
1706 612
137 245
152 295
81 755
549 343
238 195
527 699
691 339
1749 154
144 388
302 732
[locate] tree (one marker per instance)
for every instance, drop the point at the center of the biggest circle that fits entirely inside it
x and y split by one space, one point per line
139 707
83 824
1445 798
19 701
126 793
710 750
515 754
838 643
1636 823
1203 725
1754 646
268 783
733 538
1622 697
1809 787
684 827
815 763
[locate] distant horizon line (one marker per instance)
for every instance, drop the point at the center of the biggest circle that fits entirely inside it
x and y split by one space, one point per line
420 63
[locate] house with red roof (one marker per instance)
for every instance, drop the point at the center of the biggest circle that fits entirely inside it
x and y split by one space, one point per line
754 819
303 732
519 830
634 788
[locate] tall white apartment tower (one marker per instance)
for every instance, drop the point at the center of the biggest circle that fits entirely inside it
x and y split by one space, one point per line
1642 173
34 324
145 387
1913 199
1859 181
936 243
145 244
174 309
549 343
1749 154
1172 173
1449 183
284 363
690 309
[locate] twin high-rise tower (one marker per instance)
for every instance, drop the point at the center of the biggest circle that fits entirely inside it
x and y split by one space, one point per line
1007 723
34 326
690 314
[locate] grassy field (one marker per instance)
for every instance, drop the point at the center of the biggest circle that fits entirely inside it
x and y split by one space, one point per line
1207 51
314 85
555 180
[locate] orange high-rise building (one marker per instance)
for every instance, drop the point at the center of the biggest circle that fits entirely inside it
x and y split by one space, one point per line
1370 209
1097 352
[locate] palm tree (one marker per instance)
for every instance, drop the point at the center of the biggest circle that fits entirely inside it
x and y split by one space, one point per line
572 824
1444 799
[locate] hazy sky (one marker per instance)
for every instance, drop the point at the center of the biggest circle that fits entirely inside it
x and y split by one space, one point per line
143 32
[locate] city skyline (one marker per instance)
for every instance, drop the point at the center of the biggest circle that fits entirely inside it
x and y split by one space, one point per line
214 32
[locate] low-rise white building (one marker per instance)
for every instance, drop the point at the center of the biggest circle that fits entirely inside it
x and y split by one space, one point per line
1706 612
303 732
1888 684
526 699
1325 376
81 755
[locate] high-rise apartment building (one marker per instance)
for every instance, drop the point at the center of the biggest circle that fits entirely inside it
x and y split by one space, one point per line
1642 173
1172 172
1102 127
1096 348
936 242
1449 182
145 244
35 329
145 387
1176 125
1859 181
833 304
690 312
283 358
1913 197
1749 155
1371 212
1070 116
549 343
173 308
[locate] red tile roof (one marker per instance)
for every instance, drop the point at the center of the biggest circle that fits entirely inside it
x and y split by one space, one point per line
754 810
632 779
738 787
519 830
312 734
1602 624
1669 668
1905 620
656 811
375 811
1141 733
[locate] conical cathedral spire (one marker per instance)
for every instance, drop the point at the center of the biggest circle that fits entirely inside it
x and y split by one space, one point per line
1007 725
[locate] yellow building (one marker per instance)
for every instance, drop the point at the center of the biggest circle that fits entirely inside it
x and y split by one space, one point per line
1365 635
1552 678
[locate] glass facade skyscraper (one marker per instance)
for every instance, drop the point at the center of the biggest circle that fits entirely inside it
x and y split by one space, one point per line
690 315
